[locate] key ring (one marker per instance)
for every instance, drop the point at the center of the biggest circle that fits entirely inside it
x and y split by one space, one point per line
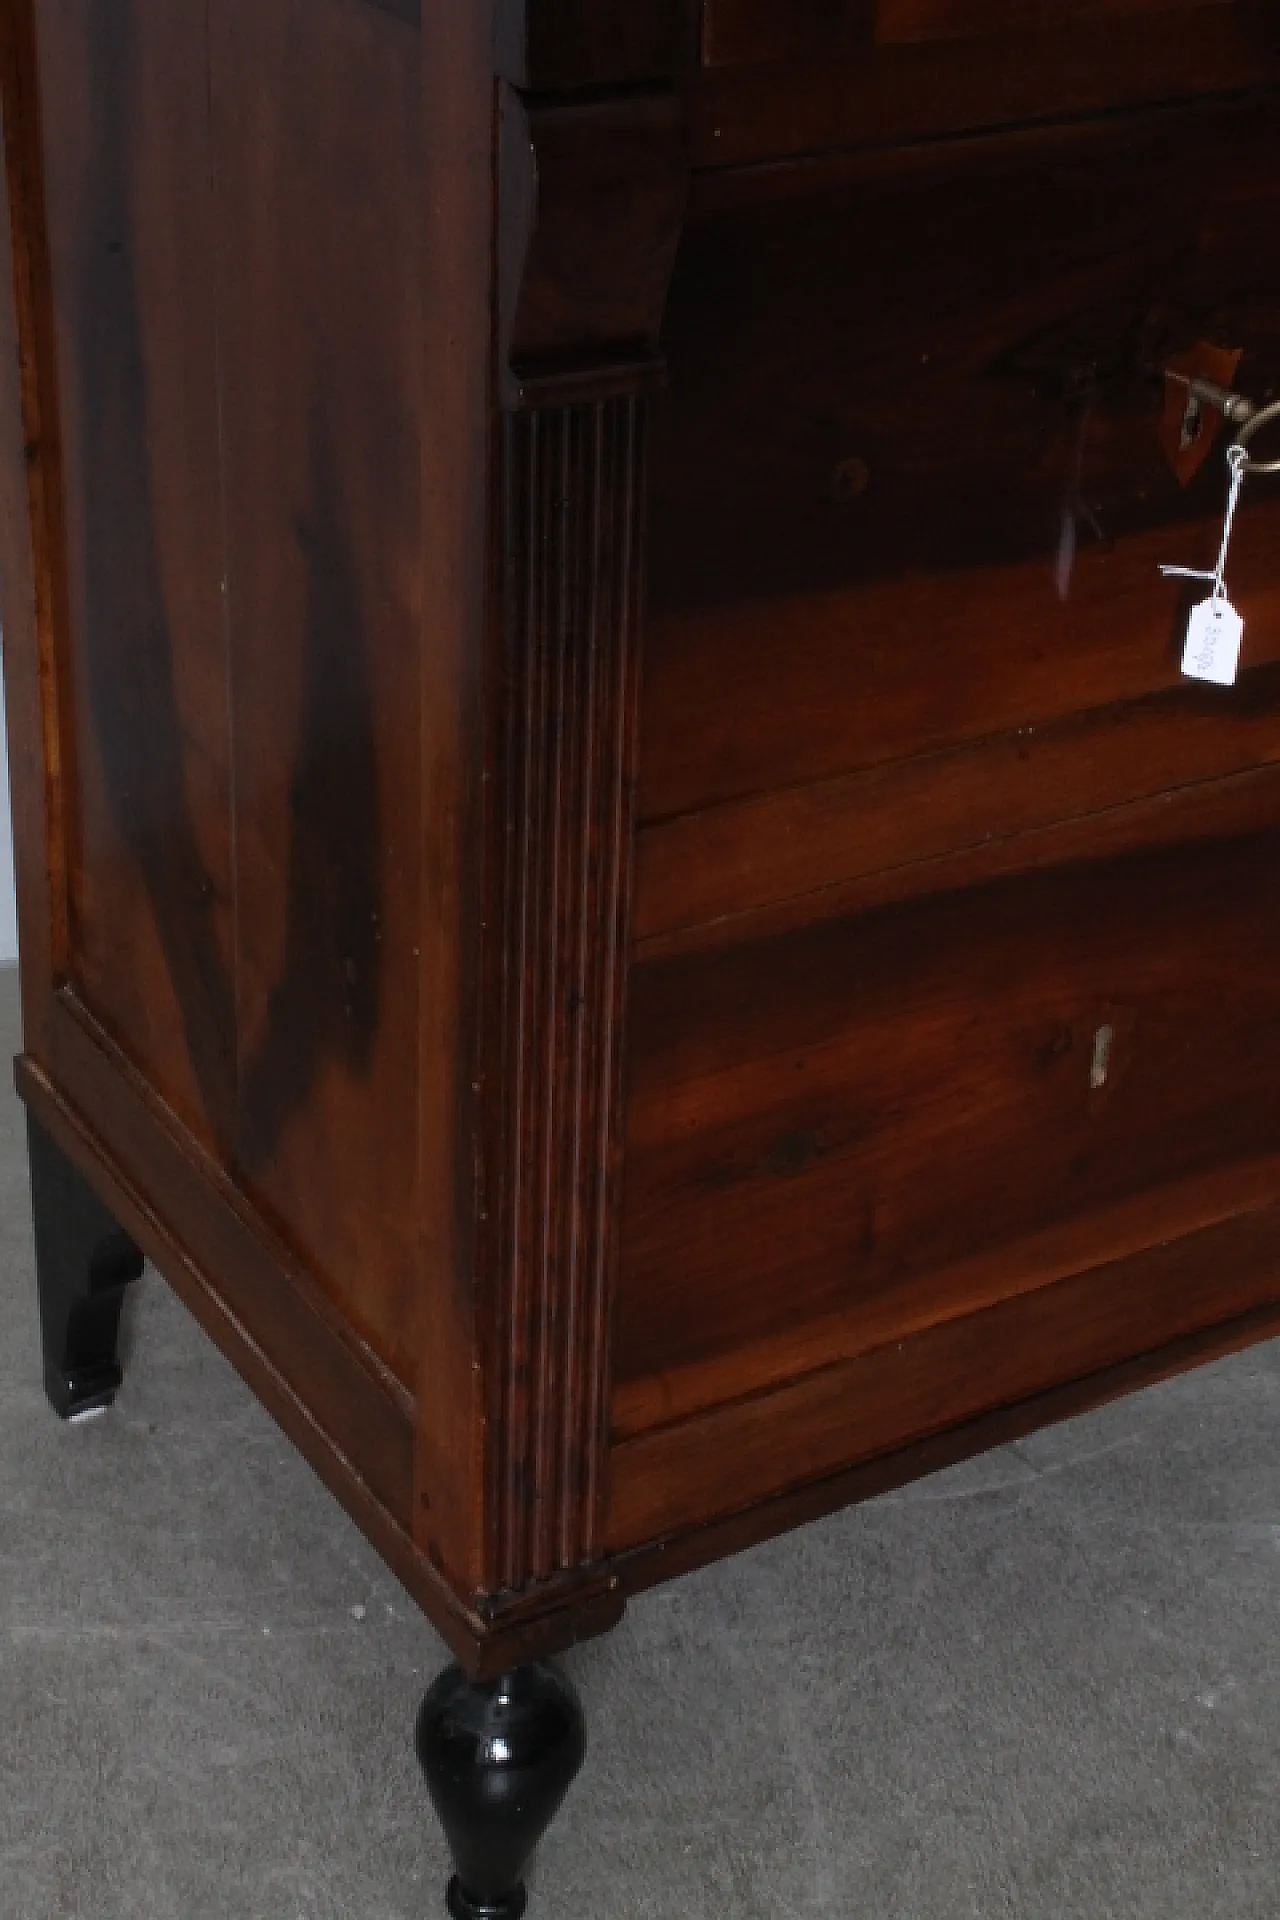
1264 418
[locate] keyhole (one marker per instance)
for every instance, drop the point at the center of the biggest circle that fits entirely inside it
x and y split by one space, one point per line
1192 423
1103 1041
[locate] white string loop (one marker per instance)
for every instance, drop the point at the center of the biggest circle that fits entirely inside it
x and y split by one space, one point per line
1238 461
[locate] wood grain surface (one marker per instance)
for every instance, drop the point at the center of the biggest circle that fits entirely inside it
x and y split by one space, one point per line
824 76
553 46
880 1406
873 452
641 998
124 95
954 972
244 595
320 343
566 769
749 31
871 1122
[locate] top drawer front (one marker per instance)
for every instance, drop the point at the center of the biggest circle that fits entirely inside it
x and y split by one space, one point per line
824 76
748 30
879 429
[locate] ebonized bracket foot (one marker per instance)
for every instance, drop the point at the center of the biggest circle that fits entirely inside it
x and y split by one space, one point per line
498 1760
84 1262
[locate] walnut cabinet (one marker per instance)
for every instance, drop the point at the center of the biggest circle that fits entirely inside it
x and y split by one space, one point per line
619 882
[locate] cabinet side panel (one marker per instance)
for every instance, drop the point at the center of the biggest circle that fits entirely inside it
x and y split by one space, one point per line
457 355
30 540
317 168
123 94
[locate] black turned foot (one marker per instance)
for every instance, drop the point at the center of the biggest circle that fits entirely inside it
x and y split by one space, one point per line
84 1262
498 1760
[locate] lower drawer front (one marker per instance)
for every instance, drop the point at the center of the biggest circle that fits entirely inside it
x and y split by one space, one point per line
843 1134
1222 1284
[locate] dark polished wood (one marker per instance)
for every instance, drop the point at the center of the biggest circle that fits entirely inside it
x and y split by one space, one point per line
575 480
618 879
830 76
555 46
84 1263
498 1759
576 318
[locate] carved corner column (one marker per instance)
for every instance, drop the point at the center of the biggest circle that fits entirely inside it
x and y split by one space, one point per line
573 559
591 205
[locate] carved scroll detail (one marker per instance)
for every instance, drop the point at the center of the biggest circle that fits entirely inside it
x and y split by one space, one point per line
592 199
572 539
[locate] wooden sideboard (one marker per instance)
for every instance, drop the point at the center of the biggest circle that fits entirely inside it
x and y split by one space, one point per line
618 878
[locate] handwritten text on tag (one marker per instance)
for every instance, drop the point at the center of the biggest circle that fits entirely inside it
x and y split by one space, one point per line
1212 651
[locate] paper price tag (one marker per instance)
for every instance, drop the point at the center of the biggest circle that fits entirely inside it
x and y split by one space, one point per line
1212 651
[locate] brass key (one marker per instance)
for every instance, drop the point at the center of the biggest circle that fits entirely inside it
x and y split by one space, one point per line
1237 408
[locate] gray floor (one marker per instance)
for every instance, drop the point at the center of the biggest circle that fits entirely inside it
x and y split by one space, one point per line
1043 1686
